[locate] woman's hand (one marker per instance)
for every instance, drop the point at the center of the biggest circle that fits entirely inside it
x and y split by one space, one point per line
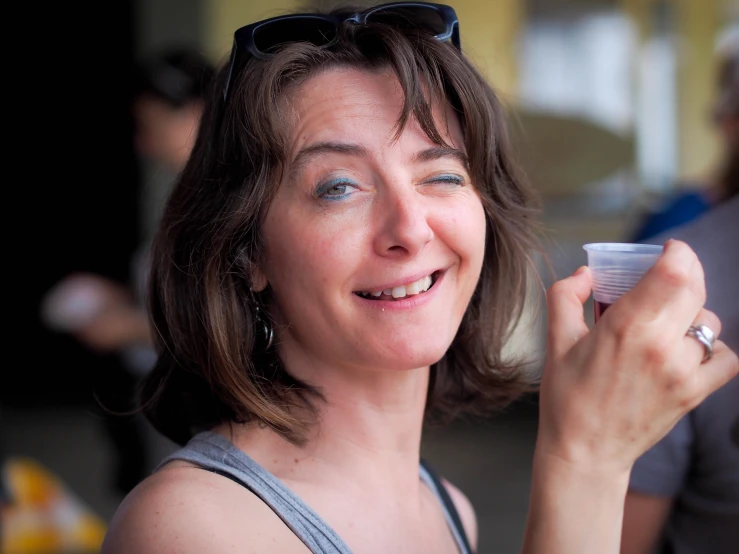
608 394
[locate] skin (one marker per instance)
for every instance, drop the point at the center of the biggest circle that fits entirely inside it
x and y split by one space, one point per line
608 393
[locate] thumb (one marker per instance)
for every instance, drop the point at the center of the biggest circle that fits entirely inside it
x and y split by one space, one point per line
566 320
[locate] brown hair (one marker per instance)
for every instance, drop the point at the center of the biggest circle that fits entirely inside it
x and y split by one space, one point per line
213 366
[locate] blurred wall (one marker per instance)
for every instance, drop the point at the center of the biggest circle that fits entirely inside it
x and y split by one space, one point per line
488 29
694 26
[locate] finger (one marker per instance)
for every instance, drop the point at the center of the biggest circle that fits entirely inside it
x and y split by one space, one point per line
676 281
719 370
566 319
692 348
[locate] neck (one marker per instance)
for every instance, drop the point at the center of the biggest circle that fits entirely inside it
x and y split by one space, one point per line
369 425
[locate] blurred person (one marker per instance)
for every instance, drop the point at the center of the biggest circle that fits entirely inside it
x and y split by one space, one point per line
684 492
345 256
692 200
110 317
167 106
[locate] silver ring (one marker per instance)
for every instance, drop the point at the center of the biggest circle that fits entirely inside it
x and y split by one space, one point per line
704 335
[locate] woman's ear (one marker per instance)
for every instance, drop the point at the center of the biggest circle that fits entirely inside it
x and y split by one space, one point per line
259 280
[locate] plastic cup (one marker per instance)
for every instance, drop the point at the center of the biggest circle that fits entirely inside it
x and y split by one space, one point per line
616 267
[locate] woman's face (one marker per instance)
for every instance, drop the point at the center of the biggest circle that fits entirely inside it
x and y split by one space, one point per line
363 224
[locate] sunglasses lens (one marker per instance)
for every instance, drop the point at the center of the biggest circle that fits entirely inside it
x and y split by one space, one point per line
411 17
299 29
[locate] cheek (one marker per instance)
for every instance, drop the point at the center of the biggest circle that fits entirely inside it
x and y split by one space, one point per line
466 228
311 257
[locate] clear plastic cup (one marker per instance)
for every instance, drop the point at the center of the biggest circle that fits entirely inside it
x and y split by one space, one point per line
616 267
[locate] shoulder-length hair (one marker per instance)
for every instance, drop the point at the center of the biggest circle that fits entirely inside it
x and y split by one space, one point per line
213 364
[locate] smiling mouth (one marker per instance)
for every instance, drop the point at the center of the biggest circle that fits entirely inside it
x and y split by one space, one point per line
403 291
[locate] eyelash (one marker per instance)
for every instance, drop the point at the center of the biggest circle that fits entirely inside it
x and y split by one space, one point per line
449 178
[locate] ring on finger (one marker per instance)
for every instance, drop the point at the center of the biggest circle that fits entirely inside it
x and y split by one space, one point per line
704 335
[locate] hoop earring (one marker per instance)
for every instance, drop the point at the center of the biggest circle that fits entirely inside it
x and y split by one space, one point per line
269 333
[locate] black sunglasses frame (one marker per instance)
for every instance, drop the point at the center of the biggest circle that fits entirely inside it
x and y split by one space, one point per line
244 45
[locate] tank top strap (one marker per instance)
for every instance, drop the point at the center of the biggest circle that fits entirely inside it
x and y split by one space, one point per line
434 482
216 453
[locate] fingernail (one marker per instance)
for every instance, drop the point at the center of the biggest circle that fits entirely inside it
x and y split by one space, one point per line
667 244
580 270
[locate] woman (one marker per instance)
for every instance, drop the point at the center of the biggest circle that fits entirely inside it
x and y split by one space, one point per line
345 253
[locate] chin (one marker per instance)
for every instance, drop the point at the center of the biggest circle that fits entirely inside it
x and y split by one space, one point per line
405 357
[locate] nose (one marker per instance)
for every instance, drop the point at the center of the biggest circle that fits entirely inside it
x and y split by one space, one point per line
404 224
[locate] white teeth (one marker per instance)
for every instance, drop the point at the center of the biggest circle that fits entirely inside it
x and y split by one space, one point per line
422 285
425 283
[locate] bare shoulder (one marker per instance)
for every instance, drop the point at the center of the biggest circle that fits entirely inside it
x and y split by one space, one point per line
184 509
466 512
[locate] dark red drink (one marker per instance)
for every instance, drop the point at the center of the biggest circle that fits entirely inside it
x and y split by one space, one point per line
599 309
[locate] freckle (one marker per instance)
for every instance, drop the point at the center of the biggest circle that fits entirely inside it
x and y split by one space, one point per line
296 460
275 460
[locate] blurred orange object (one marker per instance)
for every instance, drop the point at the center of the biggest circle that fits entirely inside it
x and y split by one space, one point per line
44 516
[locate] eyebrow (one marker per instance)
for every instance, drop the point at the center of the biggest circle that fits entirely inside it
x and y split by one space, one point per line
438 152
318 148
350 149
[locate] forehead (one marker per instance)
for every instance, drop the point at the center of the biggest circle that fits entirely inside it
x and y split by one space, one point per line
358 105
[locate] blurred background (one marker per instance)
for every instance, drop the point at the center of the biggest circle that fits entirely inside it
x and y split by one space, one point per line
611 111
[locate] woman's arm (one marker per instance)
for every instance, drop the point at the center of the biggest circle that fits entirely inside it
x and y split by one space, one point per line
574 510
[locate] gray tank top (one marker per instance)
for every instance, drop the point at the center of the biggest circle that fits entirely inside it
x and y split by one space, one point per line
215 453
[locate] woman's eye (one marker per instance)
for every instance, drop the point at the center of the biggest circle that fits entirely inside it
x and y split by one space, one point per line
447 179
335 189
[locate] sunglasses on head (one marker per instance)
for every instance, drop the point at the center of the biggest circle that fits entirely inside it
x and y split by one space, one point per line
260 39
